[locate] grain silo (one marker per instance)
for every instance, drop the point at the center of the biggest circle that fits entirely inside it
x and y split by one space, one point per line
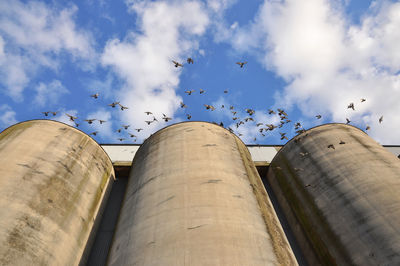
339 190
53 182
194 197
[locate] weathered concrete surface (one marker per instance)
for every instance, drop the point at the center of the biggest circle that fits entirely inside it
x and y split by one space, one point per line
52 182
344 203
195 198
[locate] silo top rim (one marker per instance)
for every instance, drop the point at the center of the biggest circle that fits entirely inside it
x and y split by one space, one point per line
311 129
55 122
192 122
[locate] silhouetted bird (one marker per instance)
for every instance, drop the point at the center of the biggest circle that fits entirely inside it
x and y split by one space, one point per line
46 113
225 91
72 118
138 129
90 121
54 113
188 116
351 105
380 119
122 107
102 121
271 112
132 136
148 113
189 92
209 107
149 122
348 121
330 146
121 139
96 95
202 91
119 130
318 116
183 105
342 142
177 64
363 100
190 60
368 128
113 104
125 126
241 64
93 133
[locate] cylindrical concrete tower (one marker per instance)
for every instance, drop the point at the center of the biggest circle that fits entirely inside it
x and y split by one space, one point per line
53 179
339 190
195 198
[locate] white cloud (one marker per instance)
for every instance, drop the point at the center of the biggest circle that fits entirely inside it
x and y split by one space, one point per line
33 36
7 117
328 63
49 94
143 60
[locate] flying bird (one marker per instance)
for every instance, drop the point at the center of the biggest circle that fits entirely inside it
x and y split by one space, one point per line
225 91
121 139
351 105
363 100
90 121
208 107
177 64
318 116
93 133
96 95
54 113
189 92
190 60
132 136
380 119
368 128
348 121
46 113
202 91
102 121
183 105
271 112
149 122
148 113
241 64
125 126
138 129
342 142
122 107
71 117
188 116
119 130
330 146
113 104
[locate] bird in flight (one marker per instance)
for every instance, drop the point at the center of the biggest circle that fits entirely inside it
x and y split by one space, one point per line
149 122
54 113
119 130
363 100
122 107
46 113
225 91
96 95
368 128
189 92
166 118
138 129
202 91
241 64
188 116
190 60
177 64
271 112
125 126
348 121
318 116
90 121
342 142
71 117
121 139
380 119
113 104
102 121
132 136
330 146
351 105
209 107
183 105
94 133
148 113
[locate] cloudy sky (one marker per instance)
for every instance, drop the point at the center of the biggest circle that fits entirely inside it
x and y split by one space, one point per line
306 57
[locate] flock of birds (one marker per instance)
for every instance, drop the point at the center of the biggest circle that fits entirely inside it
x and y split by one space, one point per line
236 123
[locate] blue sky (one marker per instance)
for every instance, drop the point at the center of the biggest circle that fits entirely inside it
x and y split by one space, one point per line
306 57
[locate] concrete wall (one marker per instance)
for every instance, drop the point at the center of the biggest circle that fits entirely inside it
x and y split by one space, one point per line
195 198
342 202
53 179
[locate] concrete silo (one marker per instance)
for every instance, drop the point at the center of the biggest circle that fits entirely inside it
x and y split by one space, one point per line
195 198
339 190
53 179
